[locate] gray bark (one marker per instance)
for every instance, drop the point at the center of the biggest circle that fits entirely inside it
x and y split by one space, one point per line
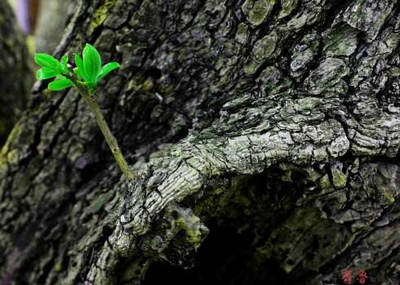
278 120
15 71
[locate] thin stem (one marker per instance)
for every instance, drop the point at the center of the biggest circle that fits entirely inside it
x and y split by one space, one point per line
101 122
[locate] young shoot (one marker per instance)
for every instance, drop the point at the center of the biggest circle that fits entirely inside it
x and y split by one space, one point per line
85 78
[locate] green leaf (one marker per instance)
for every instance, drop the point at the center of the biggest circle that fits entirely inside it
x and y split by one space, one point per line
58 77
80 68
91 63
58 85
64 60
64 63
46 73
78 73
45 60
107 69
78 60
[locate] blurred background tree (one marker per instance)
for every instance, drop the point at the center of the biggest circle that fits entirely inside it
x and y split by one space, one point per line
44 20
56 12
15 70
37 26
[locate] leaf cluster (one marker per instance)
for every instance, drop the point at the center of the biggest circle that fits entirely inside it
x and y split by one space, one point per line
88 71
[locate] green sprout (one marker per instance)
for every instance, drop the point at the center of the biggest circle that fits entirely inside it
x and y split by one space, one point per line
85 78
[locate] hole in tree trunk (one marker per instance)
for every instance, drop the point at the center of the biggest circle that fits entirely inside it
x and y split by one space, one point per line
224 257
239 249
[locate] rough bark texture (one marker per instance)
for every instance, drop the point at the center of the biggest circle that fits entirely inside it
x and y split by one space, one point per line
277 121
15 72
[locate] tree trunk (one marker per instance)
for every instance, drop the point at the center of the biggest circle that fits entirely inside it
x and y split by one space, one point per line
272 127
15 71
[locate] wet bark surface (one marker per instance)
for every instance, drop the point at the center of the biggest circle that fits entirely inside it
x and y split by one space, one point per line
15 71
271 122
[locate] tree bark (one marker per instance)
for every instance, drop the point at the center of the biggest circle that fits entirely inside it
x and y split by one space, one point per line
15 71
275 122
